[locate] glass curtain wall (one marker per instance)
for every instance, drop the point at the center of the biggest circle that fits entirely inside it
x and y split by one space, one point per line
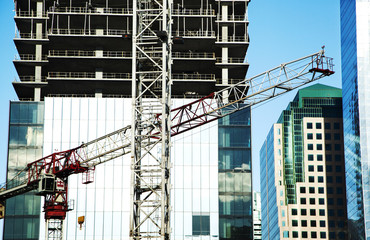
355 43
270 224
234 176
25 145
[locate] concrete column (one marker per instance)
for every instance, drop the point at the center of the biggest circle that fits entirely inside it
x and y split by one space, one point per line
37 94
38 50
99 73
98 53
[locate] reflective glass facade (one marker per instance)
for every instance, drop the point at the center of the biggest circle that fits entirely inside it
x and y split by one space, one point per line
269 211
355 45
25 145
234 176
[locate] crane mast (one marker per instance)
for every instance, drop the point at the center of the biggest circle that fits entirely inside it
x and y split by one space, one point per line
151 92
152 125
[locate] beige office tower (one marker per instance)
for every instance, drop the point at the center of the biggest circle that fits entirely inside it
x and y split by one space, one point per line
302 169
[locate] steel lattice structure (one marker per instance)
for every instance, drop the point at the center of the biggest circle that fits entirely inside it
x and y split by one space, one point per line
151 130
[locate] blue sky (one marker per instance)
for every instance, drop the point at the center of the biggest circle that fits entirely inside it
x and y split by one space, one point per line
280 31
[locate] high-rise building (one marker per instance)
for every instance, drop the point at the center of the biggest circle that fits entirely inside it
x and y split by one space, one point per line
355 43
302 169
74 85
257 234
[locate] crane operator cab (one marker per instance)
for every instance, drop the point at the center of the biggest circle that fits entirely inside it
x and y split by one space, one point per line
46 184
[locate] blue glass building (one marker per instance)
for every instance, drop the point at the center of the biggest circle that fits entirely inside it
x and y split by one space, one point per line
355 43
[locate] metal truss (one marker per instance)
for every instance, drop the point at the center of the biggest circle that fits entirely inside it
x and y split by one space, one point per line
151 93
54 229
151 129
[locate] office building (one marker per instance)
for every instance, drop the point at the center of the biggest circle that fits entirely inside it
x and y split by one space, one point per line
355 44
302 169
74 85
257 215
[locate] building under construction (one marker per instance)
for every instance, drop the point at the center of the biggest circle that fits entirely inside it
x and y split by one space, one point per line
74 84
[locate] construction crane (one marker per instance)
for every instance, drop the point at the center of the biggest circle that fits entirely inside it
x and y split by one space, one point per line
150 179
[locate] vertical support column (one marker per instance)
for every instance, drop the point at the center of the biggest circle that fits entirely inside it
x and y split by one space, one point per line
38 49
151 97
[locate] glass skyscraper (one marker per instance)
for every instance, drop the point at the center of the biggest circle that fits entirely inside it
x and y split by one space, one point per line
302 169
355 43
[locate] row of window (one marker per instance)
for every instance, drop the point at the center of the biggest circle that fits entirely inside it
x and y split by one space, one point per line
330 190
329 179
327 125
321 212
327 136
322 235
328 147
329 158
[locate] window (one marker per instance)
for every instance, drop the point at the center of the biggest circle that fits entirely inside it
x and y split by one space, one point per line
312 202
311 179
328 158
320 179
337 158
331 213
336 136
313 223
321 190
329 168
331 224
303 212
318 136
337 147
318 125
322 212
303 201
321 201
294 211
320 168
304 223
340 213
310 168
331 235
312 212
319 146
311 189
330 201
340 201
338 168
327 136
327 126
302 190
201 225
309 136
304 234
329 179
283 213
322 234
322 223
319 157
283 223
328 147
295 234
330 190
309 146
336 126
341 235
295 223
286 234
309 125
338 179
313 235
339 190
310 157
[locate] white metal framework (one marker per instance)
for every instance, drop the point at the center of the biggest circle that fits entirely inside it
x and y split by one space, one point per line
152 126
151 93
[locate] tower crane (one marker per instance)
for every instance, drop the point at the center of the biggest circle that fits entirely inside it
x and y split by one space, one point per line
150 190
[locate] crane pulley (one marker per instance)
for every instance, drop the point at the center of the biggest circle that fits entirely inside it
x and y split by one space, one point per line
50 174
